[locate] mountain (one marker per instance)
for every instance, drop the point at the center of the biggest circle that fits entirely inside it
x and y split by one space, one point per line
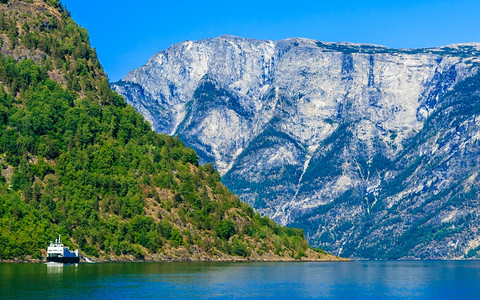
76 160
371 150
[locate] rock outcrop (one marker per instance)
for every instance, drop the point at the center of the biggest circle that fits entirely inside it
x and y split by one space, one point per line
372 151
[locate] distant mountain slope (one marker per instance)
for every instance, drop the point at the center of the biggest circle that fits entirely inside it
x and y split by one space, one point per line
327 136
77 160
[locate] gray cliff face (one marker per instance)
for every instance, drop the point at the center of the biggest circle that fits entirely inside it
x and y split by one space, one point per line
359 145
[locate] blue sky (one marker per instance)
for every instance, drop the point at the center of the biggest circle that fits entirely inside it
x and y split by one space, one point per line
127 33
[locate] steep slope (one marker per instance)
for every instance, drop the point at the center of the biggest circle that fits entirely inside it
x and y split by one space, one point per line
426 205
311 133
77 160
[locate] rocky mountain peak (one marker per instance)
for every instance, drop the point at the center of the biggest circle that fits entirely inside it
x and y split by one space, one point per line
299 127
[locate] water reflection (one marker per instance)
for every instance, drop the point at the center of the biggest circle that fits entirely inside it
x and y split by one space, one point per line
243 280
54 268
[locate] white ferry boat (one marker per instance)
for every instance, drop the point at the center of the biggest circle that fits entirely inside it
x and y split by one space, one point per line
57 252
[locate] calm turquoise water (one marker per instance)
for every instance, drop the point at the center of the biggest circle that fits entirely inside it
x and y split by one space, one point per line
407 279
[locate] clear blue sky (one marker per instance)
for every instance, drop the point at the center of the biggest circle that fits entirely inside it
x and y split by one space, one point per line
127 33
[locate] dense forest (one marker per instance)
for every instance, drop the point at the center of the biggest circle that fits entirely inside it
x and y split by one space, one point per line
76 160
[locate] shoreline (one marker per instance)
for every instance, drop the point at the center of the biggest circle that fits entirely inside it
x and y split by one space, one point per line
182 256
172 260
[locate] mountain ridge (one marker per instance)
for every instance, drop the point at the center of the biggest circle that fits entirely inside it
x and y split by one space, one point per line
299 125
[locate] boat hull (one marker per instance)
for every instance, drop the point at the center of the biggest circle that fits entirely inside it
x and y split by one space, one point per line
65 260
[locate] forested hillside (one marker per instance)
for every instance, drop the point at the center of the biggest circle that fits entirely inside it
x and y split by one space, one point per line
76 160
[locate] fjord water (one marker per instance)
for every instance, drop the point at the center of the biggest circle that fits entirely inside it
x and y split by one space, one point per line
384 279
